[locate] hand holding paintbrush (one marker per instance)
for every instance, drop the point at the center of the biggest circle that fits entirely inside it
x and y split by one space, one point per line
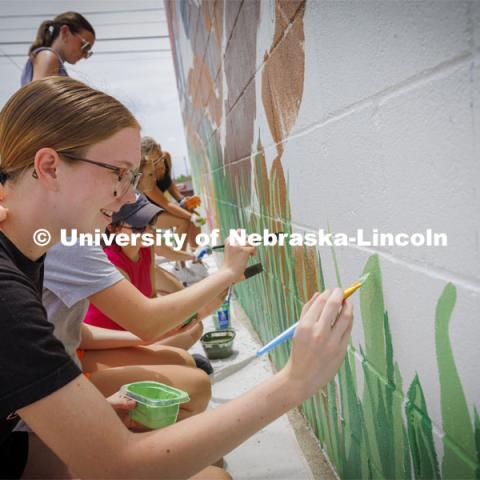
343 310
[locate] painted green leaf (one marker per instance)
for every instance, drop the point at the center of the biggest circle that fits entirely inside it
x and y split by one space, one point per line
424 456
455 415
373 309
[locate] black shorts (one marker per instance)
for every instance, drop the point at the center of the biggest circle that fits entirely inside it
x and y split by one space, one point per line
13 455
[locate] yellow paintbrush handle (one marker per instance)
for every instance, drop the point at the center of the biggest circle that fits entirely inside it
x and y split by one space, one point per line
348 291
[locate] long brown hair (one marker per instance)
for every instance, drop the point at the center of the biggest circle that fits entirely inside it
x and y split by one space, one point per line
49 29
60 113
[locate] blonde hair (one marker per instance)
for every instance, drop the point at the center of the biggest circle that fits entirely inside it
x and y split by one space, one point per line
60 113
149 146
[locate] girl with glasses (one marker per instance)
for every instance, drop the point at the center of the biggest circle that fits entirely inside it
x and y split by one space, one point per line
76 433
69 37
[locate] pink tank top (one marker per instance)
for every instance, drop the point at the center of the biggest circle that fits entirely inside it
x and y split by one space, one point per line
139 274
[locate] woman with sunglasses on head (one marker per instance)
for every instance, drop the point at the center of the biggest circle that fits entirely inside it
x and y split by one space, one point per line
69 37
76 432
176 214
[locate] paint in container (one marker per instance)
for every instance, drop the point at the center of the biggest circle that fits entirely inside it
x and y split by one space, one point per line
218 344
157 404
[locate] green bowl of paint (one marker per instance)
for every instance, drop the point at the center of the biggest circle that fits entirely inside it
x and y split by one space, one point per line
157 404
218 344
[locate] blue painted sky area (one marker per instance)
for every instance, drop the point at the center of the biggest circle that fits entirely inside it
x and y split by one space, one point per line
132 60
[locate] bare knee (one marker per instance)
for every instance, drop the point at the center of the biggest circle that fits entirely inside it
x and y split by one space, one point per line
177 355
188 359
200 390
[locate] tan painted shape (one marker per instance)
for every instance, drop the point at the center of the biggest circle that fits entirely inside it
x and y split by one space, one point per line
283 78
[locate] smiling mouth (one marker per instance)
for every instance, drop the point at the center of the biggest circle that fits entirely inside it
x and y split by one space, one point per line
107 213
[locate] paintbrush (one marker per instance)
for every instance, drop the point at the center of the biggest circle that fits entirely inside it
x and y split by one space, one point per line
283 337
288 333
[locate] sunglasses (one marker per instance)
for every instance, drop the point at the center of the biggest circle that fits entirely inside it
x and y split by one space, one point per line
155 162
86 47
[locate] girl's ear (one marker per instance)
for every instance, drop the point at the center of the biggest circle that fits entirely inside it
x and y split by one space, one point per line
64 31
45 166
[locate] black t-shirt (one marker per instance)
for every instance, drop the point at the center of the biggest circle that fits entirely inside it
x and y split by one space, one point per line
33 363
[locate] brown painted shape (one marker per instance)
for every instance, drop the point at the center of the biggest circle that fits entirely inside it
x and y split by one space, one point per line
239 68
213 59
280 200
290 8
207 12
285 13
200 88
200 33
218 13
282 80
274 213
193 14
239 127
240 54
232 9
305 263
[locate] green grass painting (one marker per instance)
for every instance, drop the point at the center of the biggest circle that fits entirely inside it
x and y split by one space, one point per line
386 432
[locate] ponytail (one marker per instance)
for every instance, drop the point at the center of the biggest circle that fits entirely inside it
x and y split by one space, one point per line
46 34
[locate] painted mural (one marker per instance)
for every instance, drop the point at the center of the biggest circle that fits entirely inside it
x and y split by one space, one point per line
241 74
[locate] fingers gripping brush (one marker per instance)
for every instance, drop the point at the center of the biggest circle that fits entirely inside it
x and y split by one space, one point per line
283 337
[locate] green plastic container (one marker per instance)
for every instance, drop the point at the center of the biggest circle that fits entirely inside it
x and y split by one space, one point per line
157 404
218 344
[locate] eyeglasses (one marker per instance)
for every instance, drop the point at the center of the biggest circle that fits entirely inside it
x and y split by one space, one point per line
86 46
125 178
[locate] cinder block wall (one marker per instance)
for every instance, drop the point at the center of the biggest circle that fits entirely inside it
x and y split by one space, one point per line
342 115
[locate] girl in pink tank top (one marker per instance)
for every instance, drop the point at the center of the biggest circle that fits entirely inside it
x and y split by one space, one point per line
134 261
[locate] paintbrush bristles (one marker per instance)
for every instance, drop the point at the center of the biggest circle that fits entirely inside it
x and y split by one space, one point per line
362 279
352 289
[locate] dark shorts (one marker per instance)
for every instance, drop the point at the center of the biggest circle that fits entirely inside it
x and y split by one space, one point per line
13 455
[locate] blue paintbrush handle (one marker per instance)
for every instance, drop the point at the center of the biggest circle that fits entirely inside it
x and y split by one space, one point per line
283 337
